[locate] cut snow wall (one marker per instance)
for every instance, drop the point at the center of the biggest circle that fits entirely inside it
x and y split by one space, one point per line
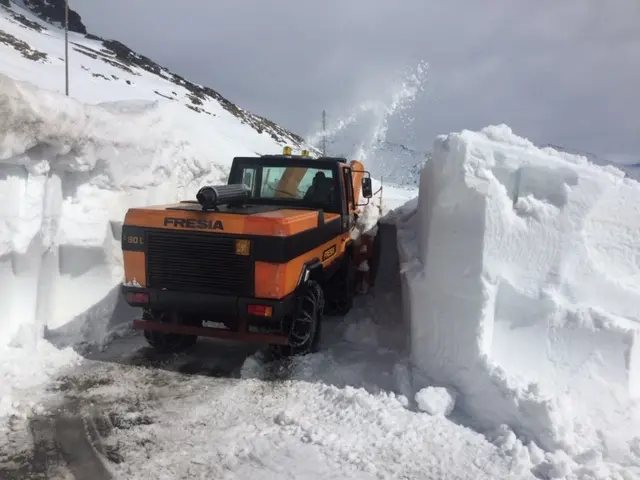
522 287
68 173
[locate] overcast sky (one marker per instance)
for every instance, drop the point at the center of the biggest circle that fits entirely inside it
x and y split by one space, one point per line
564 72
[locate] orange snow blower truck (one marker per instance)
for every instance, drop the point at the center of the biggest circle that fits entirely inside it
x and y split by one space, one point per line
260 259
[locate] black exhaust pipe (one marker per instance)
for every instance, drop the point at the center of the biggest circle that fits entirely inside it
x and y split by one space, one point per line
211 197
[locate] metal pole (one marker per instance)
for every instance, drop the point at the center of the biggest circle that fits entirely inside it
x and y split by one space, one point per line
324 133
66 47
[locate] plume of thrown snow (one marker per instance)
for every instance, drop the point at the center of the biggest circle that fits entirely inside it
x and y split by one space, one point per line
378 112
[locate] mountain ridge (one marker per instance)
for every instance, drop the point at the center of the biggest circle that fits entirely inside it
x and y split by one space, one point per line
49 14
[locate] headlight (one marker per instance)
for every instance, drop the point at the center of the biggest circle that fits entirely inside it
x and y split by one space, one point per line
243 247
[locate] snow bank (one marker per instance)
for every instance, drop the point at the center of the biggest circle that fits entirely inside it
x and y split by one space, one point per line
521 270
68 173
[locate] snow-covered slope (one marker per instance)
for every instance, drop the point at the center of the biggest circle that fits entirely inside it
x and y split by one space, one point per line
522 268
103 70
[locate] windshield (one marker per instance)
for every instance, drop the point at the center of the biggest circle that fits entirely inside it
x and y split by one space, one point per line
308 185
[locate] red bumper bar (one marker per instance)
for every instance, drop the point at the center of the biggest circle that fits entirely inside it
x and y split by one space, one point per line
243 336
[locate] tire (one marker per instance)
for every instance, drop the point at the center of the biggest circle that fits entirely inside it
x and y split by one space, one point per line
343 289
166 342
304 325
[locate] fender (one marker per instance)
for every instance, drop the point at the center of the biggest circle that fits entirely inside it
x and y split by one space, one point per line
312 270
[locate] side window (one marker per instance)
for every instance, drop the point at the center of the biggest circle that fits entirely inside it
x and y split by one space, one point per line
248 178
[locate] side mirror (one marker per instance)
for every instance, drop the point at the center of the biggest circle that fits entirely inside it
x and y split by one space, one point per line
367 189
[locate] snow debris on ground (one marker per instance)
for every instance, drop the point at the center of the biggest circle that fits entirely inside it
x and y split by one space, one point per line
343 432
521 269
436 400
245 428
25 370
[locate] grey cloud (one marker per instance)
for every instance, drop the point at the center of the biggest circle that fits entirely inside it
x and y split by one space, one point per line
557 72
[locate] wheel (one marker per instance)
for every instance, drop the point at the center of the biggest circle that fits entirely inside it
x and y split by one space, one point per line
166 342
342 289
304 325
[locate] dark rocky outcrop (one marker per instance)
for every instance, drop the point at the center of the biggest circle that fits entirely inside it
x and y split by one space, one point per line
52 11
24 20
22 47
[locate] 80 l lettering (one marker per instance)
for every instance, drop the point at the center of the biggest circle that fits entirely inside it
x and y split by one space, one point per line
134 240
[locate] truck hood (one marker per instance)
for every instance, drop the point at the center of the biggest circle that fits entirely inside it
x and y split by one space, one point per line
250 220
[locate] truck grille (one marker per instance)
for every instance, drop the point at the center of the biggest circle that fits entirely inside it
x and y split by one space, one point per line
197 262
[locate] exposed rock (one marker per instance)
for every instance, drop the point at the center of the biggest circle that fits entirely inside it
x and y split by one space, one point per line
21 19
26 22
22 47
52 11
91 36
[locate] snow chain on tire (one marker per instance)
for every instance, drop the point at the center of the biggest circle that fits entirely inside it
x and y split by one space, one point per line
307 316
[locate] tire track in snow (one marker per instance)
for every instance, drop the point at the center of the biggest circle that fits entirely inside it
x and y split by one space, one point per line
46 456
63 446
61 449
40 461
76 448
71 441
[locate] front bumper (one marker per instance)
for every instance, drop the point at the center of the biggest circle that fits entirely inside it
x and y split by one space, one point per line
229 310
